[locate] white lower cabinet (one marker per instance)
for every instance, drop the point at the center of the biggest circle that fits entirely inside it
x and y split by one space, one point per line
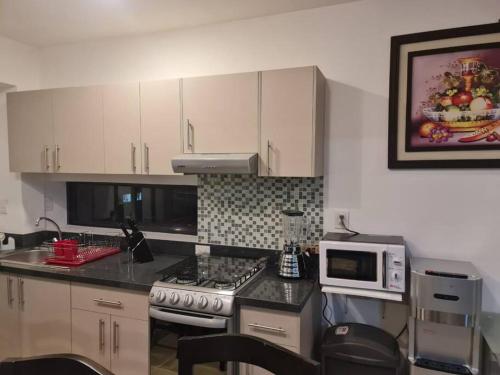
45 313
35 318
10 345
90 336
130 346
42 316
111 327
293 331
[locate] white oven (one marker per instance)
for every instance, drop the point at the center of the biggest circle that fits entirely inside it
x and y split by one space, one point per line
364 265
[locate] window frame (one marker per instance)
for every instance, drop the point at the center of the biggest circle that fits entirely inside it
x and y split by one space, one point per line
134 189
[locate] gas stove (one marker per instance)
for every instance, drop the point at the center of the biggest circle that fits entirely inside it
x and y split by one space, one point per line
206 284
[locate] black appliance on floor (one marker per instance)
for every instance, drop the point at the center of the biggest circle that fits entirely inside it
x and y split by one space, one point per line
352 349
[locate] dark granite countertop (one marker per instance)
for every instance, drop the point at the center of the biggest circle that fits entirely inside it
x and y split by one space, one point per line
273 292
113 271
268 290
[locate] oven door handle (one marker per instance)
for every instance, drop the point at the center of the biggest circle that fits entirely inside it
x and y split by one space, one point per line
187 319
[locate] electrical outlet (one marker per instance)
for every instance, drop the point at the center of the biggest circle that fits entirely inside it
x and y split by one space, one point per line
202 250
337 214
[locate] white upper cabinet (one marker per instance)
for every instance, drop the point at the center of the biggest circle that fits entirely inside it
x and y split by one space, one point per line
160 125
31 136
137 128
292 122
78 130
220 113
122 128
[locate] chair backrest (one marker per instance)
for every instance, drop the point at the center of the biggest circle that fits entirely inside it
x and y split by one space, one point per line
60 364
242 348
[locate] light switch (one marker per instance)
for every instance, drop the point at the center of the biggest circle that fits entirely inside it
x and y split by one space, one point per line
3 206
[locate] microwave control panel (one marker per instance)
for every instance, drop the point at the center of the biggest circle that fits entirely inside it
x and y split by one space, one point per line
395 275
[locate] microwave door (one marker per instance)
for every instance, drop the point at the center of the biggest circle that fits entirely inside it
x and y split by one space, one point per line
354 269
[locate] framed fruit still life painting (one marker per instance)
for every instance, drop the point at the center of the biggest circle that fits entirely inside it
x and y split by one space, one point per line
444 99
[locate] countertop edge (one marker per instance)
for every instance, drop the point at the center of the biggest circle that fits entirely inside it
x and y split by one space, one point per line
242 300
265 304
74 278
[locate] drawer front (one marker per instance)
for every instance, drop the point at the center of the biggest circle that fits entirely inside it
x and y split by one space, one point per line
282 328
247 369
113 301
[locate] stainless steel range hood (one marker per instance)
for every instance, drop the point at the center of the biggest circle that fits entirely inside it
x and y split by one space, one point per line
215 163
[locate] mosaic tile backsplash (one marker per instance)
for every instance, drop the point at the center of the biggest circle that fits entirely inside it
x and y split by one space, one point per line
242 210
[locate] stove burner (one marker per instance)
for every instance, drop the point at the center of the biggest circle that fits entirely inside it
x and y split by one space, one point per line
225 285
186 278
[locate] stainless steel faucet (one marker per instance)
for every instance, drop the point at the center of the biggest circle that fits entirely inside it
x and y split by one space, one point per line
59 233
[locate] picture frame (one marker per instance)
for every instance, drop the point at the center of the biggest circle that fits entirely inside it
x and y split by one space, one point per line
444 99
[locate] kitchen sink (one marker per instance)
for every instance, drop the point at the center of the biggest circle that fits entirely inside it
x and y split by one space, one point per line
29 258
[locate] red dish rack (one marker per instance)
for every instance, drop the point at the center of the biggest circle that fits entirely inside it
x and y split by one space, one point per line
74 253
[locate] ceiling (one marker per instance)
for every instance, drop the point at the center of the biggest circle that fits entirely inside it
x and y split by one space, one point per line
49 22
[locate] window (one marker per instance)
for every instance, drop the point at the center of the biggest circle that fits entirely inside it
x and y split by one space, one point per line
155 208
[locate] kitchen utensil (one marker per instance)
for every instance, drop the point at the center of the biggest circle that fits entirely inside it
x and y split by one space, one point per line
137 244
293 263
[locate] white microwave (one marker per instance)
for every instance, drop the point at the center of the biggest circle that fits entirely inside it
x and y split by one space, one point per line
363 265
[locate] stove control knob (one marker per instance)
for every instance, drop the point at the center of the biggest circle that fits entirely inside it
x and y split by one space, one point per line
188 300
217 304
202 302
160 296
174 298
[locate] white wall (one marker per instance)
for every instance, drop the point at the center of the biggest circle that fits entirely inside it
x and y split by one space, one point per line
22 195
442 213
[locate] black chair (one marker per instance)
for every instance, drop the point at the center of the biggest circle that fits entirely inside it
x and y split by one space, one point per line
241 348
60 364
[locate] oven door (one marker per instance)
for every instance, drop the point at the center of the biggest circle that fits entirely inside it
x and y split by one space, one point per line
353 265
167 325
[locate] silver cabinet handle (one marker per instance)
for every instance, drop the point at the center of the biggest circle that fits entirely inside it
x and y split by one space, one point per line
101 301
146 157
267 328
101 335
190 135
269 149
46 150
116 338
133 149
20 285
58 161
10 296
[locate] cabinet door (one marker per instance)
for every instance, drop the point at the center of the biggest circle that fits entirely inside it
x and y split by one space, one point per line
122 128
246 369
31 136
9 318
45 316
220 113
160 125
129 346
91 336
78 130
291 123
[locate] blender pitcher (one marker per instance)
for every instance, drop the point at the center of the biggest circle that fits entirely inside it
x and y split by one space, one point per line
292 262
